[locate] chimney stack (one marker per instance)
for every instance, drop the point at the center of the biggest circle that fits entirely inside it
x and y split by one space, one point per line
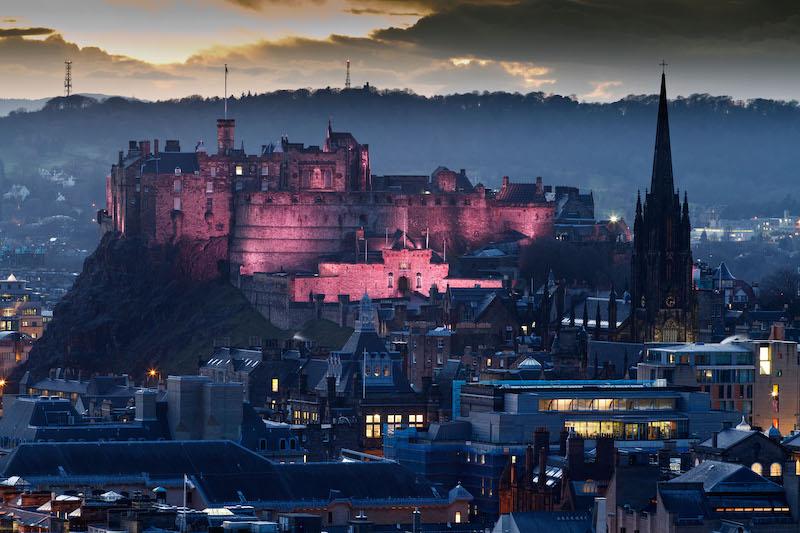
542 481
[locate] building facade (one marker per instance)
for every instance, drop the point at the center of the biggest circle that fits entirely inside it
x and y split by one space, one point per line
661 263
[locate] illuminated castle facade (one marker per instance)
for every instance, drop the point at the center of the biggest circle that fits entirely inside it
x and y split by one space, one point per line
316 219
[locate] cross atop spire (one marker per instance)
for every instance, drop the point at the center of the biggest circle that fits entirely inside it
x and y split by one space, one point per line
664 65
661 184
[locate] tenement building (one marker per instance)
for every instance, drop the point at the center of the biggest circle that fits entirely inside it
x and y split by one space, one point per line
661 263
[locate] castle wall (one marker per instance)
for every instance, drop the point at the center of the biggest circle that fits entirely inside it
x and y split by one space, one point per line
401 272
292 230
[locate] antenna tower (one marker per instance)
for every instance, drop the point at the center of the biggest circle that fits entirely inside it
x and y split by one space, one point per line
347 79
67 77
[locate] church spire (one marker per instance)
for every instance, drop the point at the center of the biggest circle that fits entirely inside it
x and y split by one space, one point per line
661 184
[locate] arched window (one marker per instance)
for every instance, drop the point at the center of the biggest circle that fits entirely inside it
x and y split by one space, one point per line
391 280
756 467
775 470
419 280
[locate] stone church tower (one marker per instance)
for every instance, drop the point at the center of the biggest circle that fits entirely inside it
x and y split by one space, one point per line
661 264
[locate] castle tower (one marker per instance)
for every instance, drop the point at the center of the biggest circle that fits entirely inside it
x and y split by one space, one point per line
225 135
661 263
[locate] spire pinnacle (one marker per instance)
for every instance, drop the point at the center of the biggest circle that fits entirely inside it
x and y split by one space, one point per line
661 183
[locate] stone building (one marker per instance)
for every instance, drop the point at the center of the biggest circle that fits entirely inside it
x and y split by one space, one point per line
661 264
290 205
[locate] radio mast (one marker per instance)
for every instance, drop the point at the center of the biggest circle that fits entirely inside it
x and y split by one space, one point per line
67 77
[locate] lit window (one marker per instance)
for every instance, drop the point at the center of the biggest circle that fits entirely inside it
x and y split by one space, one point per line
372 428
209 187
775 470
239 170
274 384
393 422
764 364
756 467
797 467
416 421
458 517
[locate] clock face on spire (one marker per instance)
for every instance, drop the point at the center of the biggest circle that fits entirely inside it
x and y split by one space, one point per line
670 301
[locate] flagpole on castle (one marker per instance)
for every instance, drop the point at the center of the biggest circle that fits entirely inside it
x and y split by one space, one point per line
226 90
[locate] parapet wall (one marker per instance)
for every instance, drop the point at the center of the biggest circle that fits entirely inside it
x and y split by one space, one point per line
291 231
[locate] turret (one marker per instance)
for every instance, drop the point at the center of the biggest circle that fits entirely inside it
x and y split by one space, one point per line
225 135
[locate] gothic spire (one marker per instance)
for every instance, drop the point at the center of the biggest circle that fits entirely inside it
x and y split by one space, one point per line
661 184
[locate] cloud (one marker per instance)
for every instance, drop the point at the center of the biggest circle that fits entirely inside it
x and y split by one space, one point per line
257 5
23 32
602 90
588 48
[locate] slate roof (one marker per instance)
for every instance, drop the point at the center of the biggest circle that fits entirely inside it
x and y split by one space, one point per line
722 273
31 419
319 482
167 162
792 442
223 471
727 438
519 193
40 462
242 360
361 341
593 302
716 476
553 522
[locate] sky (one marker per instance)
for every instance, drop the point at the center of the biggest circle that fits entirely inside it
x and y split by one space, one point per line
595 50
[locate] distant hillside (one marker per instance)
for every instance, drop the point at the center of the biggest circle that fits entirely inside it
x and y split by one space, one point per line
724 151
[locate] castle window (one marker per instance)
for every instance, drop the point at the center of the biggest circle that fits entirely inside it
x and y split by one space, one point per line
177 171
209 187
264 185
274 385
176 203
239 170
213 172
177 186
415 421
775 470
265 170
239 185
419 280
756 467
391 280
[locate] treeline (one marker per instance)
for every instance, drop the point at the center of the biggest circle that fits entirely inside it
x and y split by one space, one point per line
725 151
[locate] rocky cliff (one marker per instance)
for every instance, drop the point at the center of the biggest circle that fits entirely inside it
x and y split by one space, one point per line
134 307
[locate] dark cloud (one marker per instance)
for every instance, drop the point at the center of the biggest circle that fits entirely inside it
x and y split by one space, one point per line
23 32
585 31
